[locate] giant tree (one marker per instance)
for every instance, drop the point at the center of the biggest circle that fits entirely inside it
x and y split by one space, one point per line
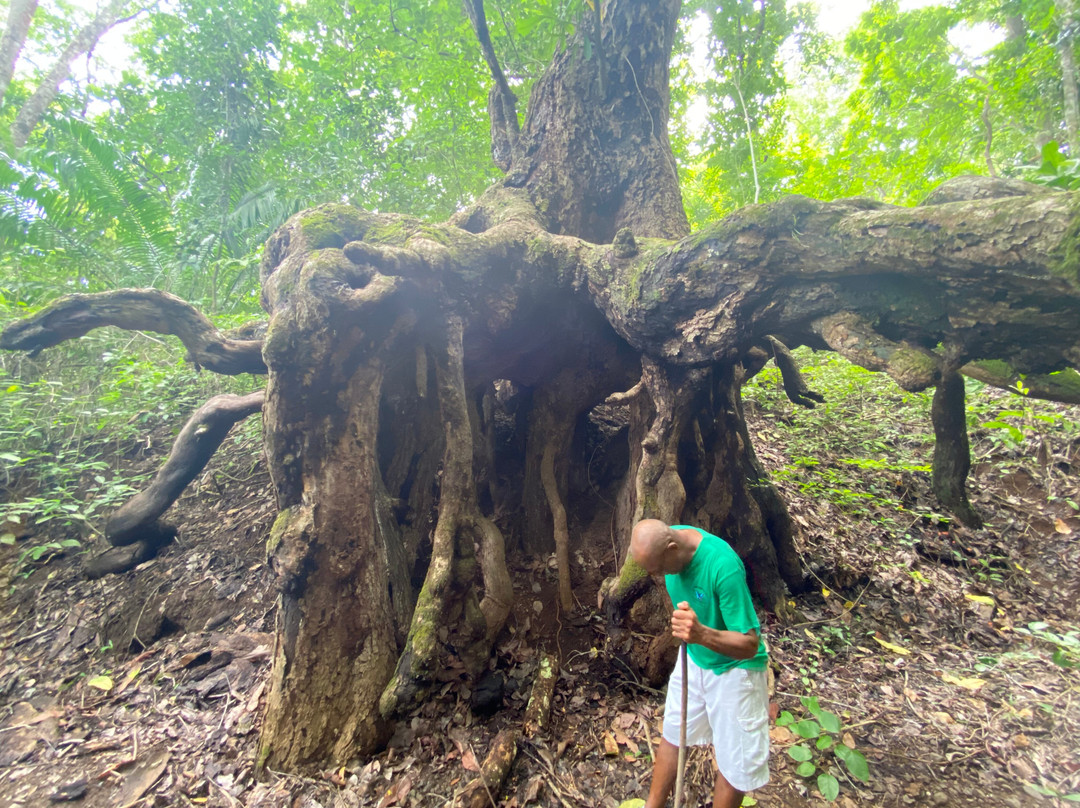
393 343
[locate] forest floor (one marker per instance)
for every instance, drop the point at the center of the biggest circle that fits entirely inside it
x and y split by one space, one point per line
146 688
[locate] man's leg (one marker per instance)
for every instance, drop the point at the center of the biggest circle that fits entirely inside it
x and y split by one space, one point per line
663 774
724 794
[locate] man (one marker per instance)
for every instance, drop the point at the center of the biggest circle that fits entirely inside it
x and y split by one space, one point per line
728 698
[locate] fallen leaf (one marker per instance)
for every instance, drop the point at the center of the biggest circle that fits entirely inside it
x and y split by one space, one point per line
968 684
1021 741
825 592
142 777
983 599
896 649
129 679
396 794
611 746
101 683
944 718
1061 527
781 735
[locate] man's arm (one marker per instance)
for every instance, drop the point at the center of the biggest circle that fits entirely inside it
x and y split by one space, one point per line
686 627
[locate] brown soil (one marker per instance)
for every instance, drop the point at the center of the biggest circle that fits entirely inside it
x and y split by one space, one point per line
956 709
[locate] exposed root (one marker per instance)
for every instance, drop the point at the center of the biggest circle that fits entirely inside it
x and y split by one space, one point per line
952 456
794 384
192 450
447 614
561 530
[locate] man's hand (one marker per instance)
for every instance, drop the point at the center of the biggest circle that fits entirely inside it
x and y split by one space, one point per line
685 625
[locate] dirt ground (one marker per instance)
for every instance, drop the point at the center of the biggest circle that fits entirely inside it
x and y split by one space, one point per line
146 688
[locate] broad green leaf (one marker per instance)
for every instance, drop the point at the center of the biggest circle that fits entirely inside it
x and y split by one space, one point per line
825 741
806 728
7 538
784 719
857 765
828 786
830 721
800 753
806 769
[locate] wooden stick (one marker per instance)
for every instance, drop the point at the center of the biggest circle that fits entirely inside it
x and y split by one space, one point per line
680 775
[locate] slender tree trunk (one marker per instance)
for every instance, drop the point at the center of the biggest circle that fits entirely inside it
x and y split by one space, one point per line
83 41
952 457
20 15
1069 78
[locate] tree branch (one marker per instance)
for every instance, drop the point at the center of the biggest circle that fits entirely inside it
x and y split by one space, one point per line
502 103
20 15
72 316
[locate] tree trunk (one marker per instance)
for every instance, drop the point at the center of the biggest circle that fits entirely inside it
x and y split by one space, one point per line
35 106
1069 78
595 155
336 626
20 15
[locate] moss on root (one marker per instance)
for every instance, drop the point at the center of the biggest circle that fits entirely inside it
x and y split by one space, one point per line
332 225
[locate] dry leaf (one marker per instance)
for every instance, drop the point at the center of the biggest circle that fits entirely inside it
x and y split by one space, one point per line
983 599
944 718
611 746
781 735
968 684
1061 527
896 649
396 794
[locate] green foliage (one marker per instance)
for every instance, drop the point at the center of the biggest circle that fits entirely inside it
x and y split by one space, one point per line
1066 646
67 416
824 743
1056 170
838 439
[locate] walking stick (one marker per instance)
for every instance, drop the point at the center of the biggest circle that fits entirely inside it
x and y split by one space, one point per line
680 775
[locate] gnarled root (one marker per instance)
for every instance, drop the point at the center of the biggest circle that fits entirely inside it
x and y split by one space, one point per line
447 620
191 451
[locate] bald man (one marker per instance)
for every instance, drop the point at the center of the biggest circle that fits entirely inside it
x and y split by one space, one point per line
727 693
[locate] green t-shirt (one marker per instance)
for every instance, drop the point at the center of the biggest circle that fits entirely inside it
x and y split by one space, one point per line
714 584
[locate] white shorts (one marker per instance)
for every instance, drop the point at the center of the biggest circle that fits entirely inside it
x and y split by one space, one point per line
730 710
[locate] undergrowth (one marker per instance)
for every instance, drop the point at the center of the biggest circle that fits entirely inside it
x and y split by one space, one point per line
71 414
868 423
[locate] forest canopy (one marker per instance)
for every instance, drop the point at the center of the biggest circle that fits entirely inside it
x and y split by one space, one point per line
167 155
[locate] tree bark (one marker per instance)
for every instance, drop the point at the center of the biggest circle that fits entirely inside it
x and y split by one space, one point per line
595 154
952 457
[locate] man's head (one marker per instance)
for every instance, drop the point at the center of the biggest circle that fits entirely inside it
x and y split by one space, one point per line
656 547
